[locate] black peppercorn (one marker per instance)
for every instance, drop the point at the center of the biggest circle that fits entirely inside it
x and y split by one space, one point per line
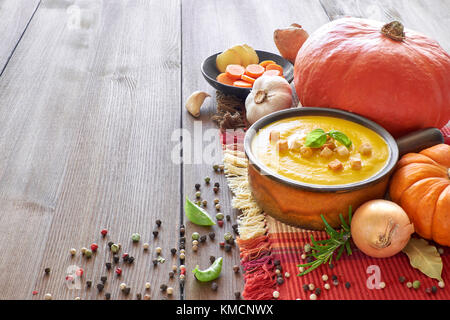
401 279
107 296
331 266
276 262
155 233
228 217
309 259
236 268
217 185
158 223
280 280
88 283
103 279
182 246
110 244
318 291
305 287
203 238
434 289
279 267
173 251
116 259
138 296
230 241
47 270
237 295
182 231
212 259
214 286
155 262
171 274
163 287
197 186
130 259
212 235
126 291
334 277
100 287
108 265
347 285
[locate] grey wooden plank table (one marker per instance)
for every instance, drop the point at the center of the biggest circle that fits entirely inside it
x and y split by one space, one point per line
91 106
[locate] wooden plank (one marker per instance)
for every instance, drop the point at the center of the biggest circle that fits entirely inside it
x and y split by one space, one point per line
428 17
209 27
87 107
14 18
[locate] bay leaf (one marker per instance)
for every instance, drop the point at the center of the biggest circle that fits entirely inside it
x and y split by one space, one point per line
424 257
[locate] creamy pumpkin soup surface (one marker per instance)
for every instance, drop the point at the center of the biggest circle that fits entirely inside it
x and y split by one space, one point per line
280 146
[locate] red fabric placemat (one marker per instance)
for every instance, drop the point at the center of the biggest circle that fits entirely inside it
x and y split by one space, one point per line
286 245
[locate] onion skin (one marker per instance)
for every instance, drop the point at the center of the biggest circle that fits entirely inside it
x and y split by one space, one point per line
381 228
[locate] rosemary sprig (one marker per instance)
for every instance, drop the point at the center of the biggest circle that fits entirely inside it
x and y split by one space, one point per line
324 250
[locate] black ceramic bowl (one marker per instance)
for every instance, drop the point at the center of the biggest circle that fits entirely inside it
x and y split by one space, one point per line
210 72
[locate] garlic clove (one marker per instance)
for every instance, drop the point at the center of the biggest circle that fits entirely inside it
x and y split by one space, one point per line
195 101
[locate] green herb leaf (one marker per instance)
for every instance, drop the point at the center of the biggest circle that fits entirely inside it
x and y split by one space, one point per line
424 257
197 215
339 136
324 250
316 138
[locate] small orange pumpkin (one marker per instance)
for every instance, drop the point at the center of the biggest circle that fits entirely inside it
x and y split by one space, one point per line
421 186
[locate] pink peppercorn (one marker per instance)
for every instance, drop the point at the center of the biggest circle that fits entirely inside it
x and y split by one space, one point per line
94 247
69 278
220 223
104 232
79 272
119 271
35 292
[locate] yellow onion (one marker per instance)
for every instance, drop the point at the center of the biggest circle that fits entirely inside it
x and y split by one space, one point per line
381 228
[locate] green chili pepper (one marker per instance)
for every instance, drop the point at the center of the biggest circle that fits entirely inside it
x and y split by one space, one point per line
212 273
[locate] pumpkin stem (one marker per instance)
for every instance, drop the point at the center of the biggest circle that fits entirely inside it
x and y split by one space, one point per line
384 239
260 96
394 30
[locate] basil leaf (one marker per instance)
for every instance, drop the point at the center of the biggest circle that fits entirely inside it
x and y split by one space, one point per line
342 138
316 138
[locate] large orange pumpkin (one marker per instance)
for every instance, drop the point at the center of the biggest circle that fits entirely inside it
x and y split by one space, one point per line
421 186
398 78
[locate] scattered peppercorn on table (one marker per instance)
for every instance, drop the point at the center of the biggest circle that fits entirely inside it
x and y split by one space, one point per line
92 188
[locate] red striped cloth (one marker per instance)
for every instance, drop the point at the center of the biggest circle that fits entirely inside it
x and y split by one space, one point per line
446 133
286 245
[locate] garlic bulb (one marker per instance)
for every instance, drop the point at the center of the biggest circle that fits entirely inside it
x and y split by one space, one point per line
269 94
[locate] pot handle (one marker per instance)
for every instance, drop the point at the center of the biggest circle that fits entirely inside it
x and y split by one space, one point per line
419 140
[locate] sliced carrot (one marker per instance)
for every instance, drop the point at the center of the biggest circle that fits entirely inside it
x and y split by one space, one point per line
247 78
242 84
274 66
254 70
225 79
266 62
235 71
272 73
